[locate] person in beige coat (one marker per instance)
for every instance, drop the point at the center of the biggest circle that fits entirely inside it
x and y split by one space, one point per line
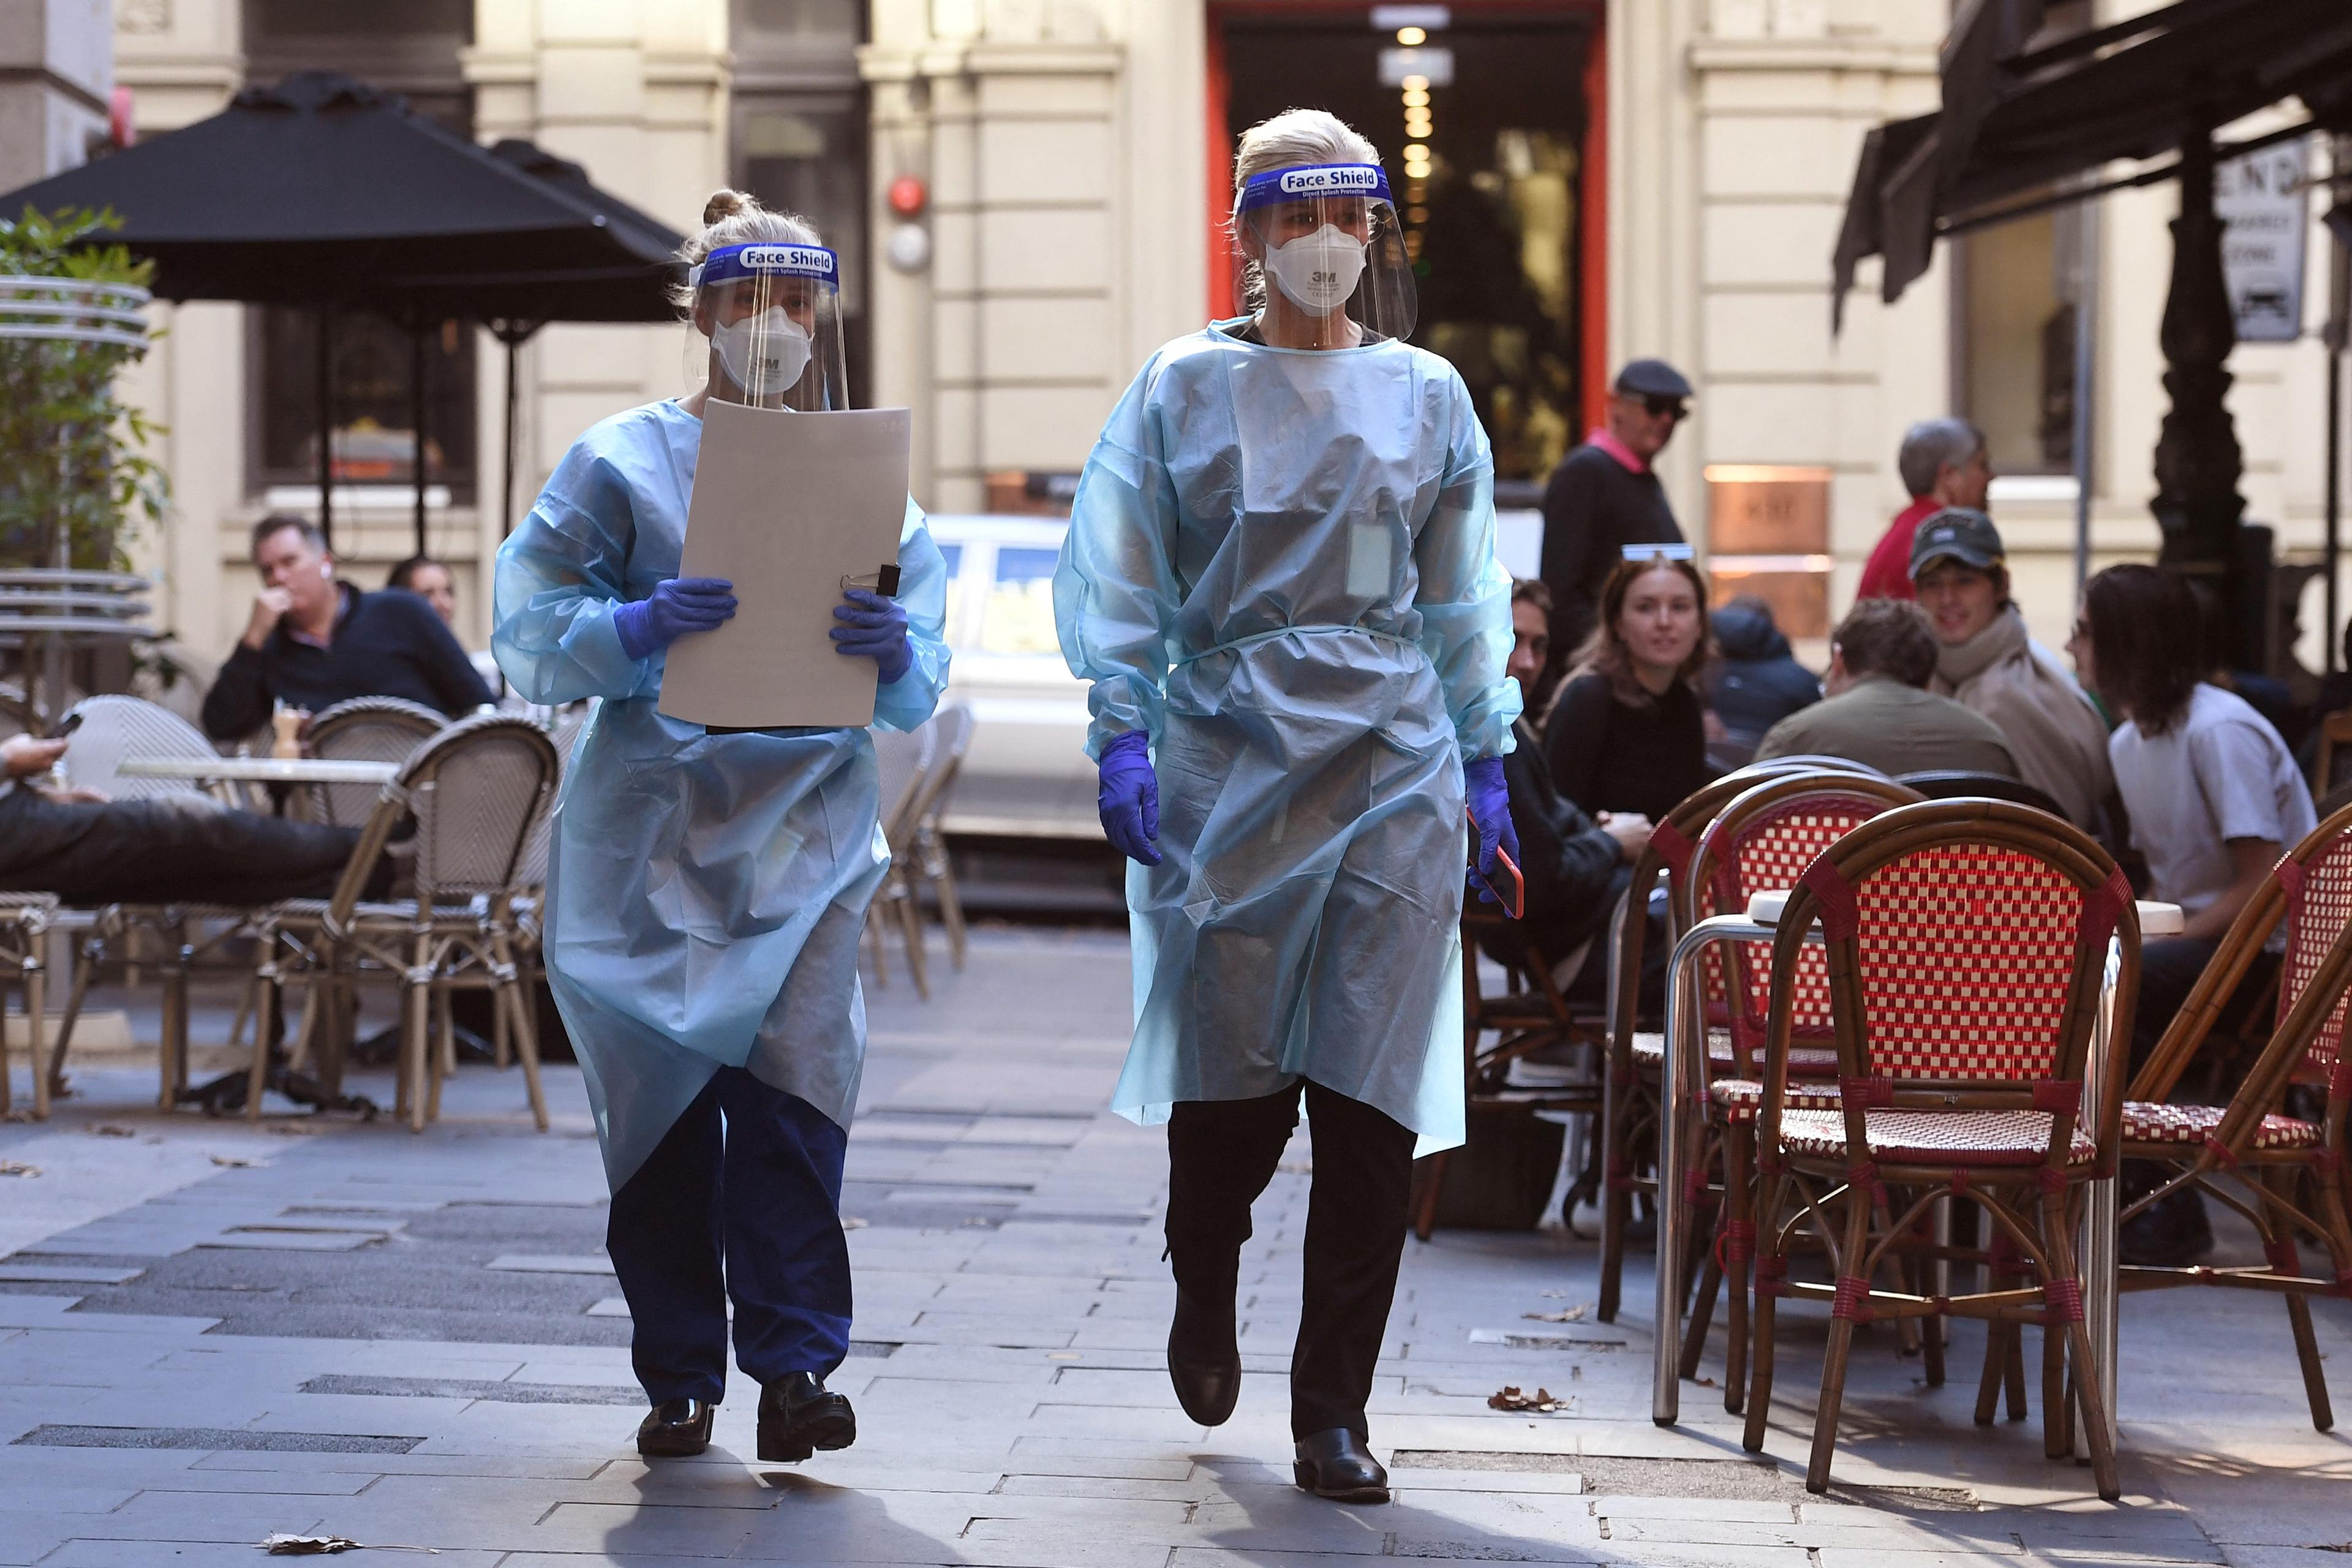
1986 661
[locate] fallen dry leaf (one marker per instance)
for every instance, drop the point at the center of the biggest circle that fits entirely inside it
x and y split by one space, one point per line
232 1160
1566 1315
283 1545
1541 1401
292 1129
18 1168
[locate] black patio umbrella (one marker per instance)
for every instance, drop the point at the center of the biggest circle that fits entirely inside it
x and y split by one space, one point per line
515 305
322 191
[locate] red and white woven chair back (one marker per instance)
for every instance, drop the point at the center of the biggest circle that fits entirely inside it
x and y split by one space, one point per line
1768 853
2319 888
1968 956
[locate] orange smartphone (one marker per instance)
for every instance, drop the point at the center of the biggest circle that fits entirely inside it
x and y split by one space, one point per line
1515 904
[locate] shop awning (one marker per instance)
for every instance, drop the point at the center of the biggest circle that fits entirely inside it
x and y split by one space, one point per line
2022 114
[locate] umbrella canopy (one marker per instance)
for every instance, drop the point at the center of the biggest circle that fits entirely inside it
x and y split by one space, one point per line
2016 123
594 289
320 189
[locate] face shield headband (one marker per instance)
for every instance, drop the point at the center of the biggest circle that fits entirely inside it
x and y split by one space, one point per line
1329 248
781 319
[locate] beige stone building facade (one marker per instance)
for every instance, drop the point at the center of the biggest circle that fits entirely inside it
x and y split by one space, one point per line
1670 177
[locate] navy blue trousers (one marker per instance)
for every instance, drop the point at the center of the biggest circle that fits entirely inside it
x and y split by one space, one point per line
742 1197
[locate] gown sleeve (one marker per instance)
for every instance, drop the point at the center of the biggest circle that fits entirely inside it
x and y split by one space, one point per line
560 578
1464 596
1115 590
906 702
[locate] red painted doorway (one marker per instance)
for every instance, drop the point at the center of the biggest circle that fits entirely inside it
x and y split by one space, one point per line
1507 210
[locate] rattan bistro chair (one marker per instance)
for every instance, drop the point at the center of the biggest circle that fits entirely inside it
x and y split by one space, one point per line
1761 843
927 863
478 791
2282 1173
1528 1014
902 762
113 730
1967 943
1629 1115
364 729
23 925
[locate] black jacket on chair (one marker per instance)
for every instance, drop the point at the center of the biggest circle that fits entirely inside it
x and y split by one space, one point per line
1568 863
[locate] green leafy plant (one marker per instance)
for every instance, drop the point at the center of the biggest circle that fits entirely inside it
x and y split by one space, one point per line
73 461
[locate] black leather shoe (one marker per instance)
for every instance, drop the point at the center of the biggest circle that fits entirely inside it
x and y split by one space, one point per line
1203 1361
675 1429
798 1416
1337 1465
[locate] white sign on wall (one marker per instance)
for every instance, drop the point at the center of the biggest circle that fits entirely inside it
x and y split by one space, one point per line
2261 200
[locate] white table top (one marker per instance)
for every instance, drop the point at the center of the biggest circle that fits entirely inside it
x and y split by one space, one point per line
2155 918
260 770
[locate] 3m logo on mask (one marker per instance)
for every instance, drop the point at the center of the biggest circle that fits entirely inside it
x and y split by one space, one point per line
800 260
1330 182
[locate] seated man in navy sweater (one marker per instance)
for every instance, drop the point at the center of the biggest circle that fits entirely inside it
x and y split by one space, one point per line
315 641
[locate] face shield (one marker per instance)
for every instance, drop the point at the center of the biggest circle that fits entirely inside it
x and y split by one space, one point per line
772 312
1321 247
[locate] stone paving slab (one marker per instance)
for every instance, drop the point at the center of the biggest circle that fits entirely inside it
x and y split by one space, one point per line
1012 1312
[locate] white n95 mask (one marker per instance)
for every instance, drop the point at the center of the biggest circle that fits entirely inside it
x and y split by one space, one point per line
763 355
1319 270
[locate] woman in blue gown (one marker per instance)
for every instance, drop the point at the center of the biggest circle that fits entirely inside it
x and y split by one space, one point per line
707 887
1280 579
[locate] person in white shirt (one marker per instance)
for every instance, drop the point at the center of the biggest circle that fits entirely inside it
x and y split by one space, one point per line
2214 798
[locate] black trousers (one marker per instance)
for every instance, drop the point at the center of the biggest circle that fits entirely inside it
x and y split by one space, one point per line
1222 1154
152 852
742 1198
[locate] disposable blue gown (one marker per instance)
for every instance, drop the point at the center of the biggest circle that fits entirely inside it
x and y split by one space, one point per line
1281 566
705 891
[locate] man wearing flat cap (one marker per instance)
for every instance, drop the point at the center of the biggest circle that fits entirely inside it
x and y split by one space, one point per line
1605 496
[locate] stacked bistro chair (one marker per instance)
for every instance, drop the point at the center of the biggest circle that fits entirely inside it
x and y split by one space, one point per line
476 792
928 865
1629 1091
1761 843
2282 1173
1530 1015
114 729
903 761
25 921
1968 944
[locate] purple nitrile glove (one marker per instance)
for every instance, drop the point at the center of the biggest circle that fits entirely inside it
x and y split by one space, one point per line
873 626
678 606
1489 800
1130 797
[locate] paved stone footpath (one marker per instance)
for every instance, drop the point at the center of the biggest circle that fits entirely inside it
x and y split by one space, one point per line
210 1332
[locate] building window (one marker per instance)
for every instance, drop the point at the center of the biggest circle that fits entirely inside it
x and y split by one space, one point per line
413 49
799 136
2016 286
